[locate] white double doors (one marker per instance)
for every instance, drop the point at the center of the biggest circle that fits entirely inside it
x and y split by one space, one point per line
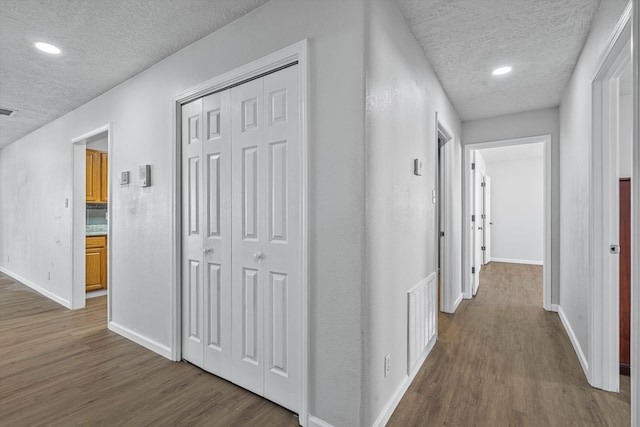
241 237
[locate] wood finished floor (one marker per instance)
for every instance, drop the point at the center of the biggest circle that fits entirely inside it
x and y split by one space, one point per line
64 368
501 360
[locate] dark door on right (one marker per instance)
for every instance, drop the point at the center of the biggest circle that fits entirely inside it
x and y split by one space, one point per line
625 276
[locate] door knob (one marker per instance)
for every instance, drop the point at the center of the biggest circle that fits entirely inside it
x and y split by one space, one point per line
257 256
207 250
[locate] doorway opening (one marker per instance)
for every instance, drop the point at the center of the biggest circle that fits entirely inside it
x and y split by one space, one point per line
447 258
610 213
91 248
483 240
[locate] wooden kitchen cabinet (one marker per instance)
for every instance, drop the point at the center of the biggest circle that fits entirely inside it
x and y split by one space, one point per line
96 263
97 176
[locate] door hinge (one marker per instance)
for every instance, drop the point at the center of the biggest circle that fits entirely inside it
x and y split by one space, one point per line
483 216
473 218
473 166
473 270
442 234
483 184
484 248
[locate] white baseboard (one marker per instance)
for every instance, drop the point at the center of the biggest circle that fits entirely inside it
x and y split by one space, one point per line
517 261
96 294
317 422
555 308
457 302
574 341
39 289
394 400
150 344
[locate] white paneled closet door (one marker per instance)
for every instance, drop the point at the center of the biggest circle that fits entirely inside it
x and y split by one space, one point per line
266 222
206 195
241 235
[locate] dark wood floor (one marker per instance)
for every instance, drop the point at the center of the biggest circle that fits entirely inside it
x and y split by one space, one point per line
501 360
64 368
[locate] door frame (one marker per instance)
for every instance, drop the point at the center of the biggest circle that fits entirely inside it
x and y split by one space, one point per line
449 298
604 302
467 253
78 218
635 218
297 52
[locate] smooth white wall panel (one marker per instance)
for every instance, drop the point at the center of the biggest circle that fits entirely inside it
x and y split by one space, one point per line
626 138
575 126
36 172
517 208
403 96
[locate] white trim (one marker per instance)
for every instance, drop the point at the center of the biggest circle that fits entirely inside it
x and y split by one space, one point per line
317 422
96 294
295 52
603 313
391 405
37 288
445 211
517 261
635 226
555 308
574 341
467 253
457 302
78 289
148 343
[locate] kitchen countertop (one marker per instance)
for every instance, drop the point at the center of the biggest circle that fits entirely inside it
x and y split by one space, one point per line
96 230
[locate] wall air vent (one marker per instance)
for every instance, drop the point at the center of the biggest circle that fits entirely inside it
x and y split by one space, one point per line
7 112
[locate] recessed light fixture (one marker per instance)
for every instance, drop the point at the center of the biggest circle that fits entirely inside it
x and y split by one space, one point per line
501 70
48 48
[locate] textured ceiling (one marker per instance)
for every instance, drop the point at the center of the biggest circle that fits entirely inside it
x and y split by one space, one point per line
465 40
104 42
513 152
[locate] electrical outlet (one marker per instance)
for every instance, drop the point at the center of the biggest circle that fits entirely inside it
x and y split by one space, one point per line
387 365
66 203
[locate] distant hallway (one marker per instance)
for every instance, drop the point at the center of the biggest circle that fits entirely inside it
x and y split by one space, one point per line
501 360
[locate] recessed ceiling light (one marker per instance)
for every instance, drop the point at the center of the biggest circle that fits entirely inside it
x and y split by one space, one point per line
48 48
501 70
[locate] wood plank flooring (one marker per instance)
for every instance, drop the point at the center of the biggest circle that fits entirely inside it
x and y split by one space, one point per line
501 360
64 368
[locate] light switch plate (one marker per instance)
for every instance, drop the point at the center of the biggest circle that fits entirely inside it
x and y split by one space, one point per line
417 167
144 176
124 178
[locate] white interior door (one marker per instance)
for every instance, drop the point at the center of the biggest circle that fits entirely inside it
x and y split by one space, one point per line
477 232
192 240
206 228
241 235
486 219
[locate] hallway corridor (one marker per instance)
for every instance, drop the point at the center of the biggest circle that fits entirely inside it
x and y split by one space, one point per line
501 360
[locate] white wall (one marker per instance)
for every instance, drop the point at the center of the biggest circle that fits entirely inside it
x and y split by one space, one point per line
36 176
99 142
626 130
517 209
575 126
520 125
403 95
